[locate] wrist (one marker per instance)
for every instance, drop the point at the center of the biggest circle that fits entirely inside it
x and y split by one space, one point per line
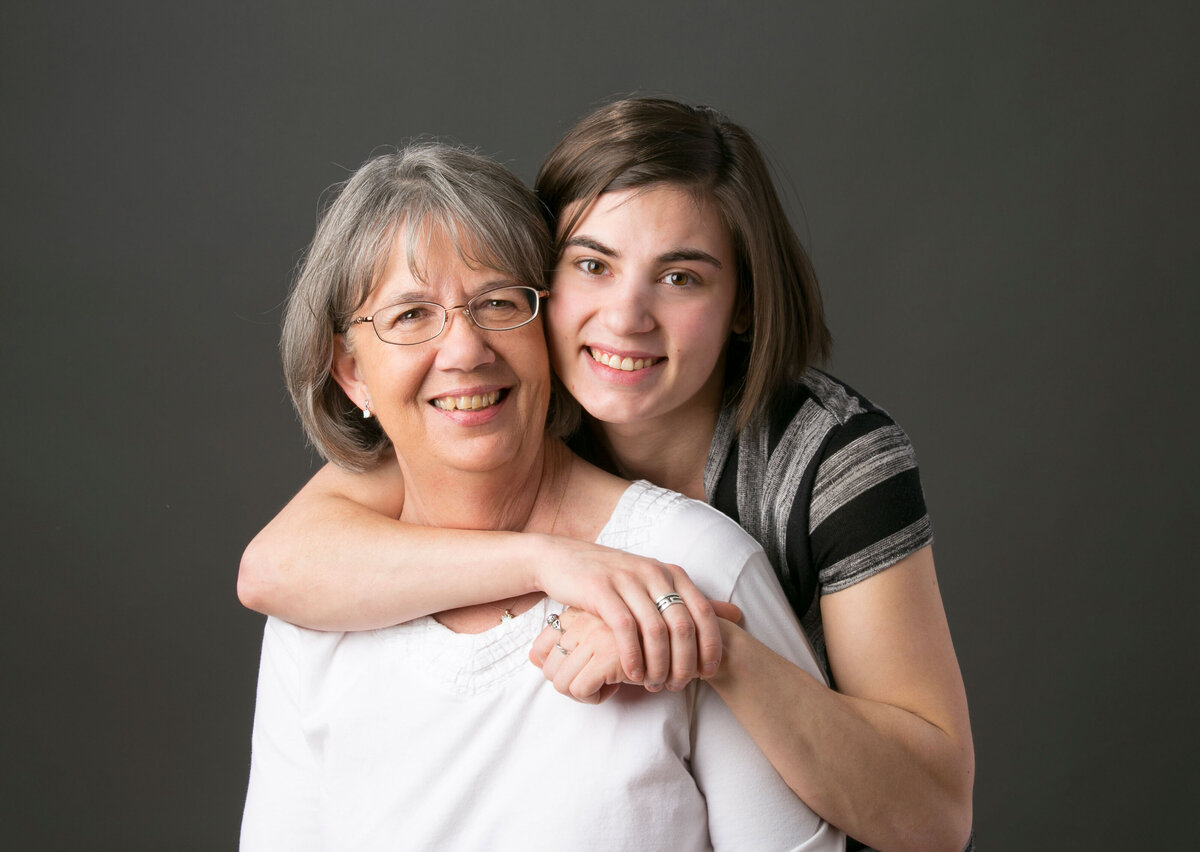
733 642
537 558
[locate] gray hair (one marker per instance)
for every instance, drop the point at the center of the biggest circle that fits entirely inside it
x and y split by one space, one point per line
490 217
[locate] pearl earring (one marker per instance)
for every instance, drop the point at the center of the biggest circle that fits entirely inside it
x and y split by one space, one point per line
367 409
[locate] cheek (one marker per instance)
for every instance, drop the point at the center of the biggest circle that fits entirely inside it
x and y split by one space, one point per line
557 313
701 333
560 330
392 382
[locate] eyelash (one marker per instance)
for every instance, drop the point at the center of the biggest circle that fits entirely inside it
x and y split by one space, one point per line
583 263
690 279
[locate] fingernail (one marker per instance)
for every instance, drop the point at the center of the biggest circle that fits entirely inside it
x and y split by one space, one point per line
637 675
709 670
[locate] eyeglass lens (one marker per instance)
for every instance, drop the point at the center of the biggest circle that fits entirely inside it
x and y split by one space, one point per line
496 310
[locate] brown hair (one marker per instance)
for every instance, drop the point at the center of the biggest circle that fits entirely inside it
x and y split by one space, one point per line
492 219
640 142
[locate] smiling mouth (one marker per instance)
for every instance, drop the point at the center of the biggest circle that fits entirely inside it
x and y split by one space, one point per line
616 362
472 402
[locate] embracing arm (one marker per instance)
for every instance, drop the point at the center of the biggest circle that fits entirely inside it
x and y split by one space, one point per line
889 758
335 558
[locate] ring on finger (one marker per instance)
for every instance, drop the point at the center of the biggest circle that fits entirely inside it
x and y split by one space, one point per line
552 620
669 599
561 649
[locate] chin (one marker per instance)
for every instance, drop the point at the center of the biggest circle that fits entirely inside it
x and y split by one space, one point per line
482 455
616 412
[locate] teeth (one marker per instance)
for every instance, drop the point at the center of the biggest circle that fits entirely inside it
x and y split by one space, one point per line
467 403
616 362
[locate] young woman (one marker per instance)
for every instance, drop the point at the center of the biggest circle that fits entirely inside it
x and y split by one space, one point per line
685 318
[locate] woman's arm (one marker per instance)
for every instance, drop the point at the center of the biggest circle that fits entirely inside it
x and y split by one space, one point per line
889 759
335 558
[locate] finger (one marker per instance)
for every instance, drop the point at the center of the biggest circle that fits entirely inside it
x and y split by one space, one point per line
655 639
707 637
542 646
570 668
607 692
602 668
550 663
614 611
683 647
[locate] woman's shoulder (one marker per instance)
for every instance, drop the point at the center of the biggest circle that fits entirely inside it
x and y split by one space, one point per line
811 415
670 527
820 398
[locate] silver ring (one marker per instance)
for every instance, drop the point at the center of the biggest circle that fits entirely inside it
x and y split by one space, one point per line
667 600
561 649
552 620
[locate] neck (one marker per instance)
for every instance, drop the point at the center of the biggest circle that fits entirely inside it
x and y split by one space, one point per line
670 450
671 454
527 500
522 496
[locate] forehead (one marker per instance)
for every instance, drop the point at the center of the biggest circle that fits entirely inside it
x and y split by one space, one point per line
657 215
435 256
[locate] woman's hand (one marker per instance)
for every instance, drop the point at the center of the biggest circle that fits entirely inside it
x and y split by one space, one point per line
657 649
585 666
590 671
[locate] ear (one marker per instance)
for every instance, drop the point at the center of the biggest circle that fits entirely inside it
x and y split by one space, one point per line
743 315
344 369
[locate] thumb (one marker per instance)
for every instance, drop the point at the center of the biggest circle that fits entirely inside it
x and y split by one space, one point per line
727 611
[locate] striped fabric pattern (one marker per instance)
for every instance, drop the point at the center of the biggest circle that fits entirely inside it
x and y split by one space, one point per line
829 486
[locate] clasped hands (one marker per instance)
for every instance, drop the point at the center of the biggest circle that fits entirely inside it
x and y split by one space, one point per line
580 656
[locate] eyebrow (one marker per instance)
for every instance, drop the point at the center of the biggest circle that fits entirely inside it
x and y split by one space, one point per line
673 256
426 296
594 245
689 254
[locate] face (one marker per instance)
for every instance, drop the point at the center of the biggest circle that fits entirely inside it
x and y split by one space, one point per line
468 399
642 307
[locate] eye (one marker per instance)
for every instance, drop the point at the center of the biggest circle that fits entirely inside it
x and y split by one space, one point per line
504 308
591 266
406 316
678 279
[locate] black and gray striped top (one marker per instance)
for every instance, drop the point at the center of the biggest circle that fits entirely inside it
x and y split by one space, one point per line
828 486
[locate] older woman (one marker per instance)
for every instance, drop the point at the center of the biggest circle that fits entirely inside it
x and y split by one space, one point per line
414 330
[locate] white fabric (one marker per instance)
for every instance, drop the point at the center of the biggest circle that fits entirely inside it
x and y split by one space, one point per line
415 737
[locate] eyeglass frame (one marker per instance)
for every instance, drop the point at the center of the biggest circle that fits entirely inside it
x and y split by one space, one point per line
539 292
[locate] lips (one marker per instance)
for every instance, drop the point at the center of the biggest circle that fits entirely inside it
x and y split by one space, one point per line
468 402
625 363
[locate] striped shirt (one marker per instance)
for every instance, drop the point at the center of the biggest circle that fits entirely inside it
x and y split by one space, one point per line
828 485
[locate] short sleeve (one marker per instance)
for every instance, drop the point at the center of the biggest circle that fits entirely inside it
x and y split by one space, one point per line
867 509
281 801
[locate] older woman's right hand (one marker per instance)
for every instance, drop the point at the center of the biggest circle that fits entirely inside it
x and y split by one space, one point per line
654 648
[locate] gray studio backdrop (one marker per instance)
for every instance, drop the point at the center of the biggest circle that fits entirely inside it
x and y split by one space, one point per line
1001 203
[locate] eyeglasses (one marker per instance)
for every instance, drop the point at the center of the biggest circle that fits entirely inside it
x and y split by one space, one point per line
502 309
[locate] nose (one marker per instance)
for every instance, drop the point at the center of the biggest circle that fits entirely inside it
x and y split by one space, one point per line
628 308
462 345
